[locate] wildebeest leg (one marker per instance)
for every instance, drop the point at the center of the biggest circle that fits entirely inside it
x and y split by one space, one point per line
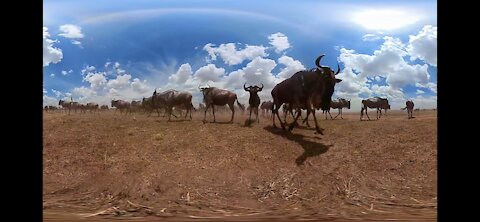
232 108
256 111
275 109
306 119
205 116
339 111
213 110
250 116
292 125
317 127
329 114
366 112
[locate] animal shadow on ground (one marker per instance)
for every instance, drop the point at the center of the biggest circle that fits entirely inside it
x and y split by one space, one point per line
310 148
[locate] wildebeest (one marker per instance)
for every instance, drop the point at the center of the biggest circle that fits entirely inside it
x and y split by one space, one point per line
93 107
214 96
173 98
104 107
135 105
298 90
121 105
266 107
254 100
68 105
337 104
409 106
375 102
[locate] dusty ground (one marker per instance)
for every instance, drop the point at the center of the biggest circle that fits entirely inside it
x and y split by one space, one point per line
106 166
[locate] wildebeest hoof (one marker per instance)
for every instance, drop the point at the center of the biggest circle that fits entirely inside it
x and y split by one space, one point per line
319 131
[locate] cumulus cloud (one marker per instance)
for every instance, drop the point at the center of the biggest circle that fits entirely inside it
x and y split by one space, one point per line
182 75
231 56
424 45
57 93
49 101
88 69
279 41
140 86
121 81
209 73
71 31
419 91
50 53
291 66
97 80
52 75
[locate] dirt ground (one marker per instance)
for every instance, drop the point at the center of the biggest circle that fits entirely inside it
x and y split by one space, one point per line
106 166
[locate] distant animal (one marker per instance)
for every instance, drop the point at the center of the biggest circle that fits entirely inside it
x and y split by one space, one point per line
104 107
266 107
93 107
409 106
121 105
173 98
337 104
68 105
135 105
374 103
254 100
299 89
213 96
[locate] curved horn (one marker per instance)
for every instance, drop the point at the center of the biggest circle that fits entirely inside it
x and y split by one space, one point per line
317 61
261 87
245 88
338 69
199 87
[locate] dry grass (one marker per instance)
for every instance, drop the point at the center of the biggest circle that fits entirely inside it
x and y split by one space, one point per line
116 166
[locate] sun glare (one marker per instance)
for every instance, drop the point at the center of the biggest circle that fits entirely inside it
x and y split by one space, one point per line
385 19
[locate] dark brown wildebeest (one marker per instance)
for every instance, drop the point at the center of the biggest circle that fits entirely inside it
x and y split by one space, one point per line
121 105
301 86
409 106
266 107
254 100
68 105
173 98
337 104
375 102
214 96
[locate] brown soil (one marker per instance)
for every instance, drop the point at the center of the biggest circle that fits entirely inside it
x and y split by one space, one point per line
105 166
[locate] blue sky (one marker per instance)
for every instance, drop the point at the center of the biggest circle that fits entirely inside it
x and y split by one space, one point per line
103 50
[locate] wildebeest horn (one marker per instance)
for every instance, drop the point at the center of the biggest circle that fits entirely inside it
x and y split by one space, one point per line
317 61
338 69
261 87
199 87
245 88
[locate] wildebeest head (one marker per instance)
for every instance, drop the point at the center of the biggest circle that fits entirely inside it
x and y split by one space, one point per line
327 76
253 89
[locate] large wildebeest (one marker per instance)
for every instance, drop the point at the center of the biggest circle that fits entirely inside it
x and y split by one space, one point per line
301 86
214 96
337 104
254 100
374 103
121 105
266 107
409 106
173 98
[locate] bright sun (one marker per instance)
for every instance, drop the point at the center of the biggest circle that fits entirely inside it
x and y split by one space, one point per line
385 19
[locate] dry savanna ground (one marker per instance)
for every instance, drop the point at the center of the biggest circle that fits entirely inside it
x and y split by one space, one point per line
106 166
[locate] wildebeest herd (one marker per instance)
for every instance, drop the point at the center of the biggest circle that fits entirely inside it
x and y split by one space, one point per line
308 90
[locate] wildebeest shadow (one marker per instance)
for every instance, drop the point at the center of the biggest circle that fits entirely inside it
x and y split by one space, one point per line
310 148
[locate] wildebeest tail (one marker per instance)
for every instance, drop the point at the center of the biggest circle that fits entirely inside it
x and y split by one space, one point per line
403 108
242 107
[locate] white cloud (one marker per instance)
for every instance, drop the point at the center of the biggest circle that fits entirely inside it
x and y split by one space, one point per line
107 64
182 75
431 86
88 69
385 19
45 91
71 31
97 80
66 72
209 73
419 91
49 101
50 53
231 56
279 41
83 92
408 75
371 37
121 81
52 75
57 93
291 66
422 102
424 45
140 86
